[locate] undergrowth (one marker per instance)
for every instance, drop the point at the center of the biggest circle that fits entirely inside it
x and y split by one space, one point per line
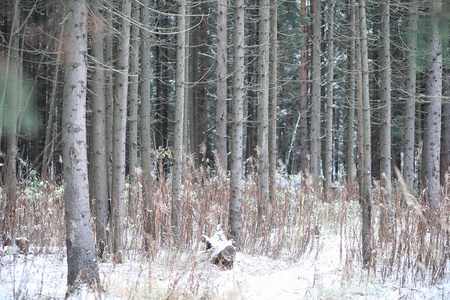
413 245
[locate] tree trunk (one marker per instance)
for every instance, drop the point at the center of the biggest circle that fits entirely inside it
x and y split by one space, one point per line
445 136
221 102
329 104
273 92
304 149
179 117
351 98
432 134
316 90
133 111
366 188
99 163
119 126
237 115
13 89
385 98
146 137
408 162
263 105
81 257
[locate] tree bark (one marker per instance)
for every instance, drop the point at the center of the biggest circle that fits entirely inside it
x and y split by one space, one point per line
133 166
273 92
351 96
119 126
329 104
146 136
235 215
99 163
179 117
304 147
221 102
81 257
366 188
408 162
263 105
385 98
316 91
432 134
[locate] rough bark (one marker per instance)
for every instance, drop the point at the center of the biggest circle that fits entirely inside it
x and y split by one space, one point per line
385 99
432 128
237 115
329 102
366 188
99 163
315 90
179 117
146 141
133 166
445 134
119 127
351 170
263 105
304 147
410 110
81 257
221 102
273 93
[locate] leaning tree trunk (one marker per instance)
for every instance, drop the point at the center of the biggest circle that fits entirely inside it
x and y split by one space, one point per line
237 116
81 256
119 142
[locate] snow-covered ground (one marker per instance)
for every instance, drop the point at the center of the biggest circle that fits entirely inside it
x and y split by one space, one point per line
322 273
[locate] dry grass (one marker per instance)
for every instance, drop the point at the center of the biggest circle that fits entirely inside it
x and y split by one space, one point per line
414 246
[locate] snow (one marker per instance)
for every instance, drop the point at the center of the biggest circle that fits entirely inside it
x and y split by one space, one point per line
321 273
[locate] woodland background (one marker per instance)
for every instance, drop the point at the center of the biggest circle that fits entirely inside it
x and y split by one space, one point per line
342 92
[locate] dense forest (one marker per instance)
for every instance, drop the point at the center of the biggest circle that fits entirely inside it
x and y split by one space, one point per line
118 101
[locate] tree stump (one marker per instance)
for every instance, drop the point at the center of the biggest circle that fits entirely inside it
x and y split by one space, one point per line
221 249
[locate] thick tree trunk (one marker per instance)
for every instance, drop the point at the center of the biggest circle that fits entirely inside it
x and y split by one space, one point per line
179 117
408 162
432 134
237 115
99 163
119 126
221 102
81 256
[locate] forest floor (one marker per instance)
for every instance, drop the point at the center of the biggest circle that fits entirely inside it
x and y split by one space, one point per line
319 274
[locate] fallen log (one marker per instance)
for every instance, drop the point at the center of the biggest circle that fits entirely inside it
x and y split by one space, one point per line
222 250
